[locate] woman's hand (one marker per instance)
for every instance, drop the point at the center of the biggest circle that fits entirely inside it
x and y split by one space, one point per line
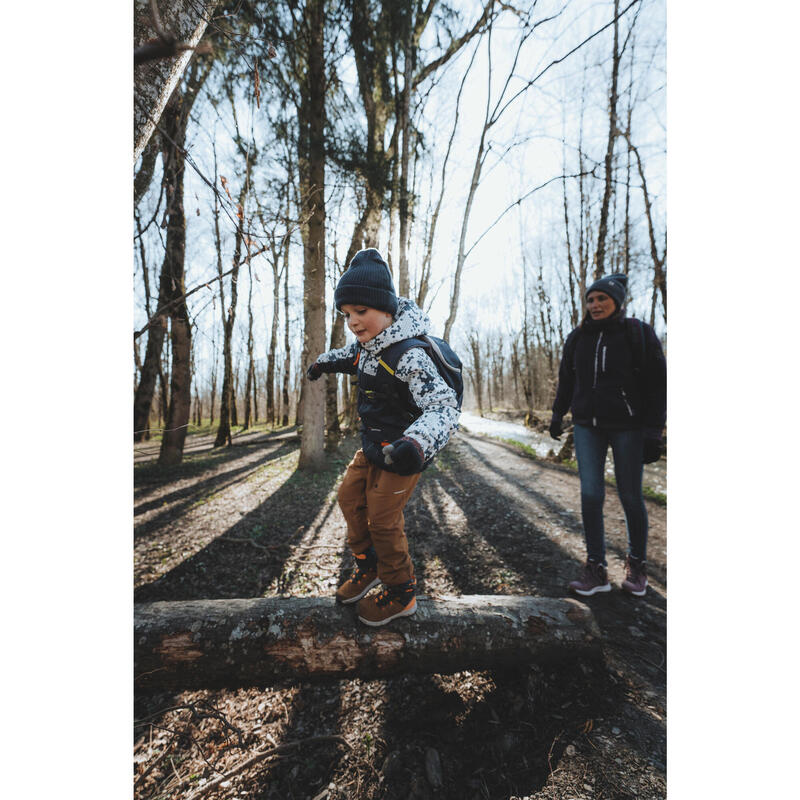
652 450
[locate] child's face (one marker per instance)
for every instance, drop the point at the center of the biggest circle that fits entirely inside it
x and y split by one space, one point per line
365 322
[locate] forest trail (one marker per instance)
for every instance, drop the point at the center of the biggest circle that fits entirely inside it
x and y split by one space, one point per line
485 519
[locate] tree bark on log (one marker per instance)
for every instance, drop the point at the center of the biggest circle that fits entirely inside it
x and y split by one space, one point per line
255 642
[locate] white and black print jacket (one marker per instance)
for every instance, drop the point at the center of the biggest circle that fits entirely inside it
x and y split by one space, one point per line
437 401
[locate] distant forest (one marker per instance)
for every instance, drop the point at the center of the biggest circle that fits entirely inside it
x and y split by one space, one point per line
500 155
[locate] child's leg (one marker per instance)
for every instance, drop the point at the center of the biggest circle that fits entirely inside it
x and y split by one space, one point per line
387 494
353 502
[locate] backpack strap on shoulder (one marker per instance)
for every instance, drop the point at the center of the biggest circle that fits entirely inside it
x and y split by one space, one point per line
570 345
391 356
634 330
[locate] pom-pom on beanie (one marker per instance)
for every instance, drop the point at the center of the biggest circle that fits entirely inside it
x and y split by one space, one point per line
615 286
367 282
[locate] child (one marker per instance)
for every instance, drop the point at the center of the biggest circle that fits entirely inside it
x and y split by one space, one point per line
407 416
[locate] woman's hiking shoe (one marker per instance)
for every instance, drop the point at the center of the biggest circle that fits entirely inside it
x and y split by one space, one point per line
635 582
594 579
364 577
392 602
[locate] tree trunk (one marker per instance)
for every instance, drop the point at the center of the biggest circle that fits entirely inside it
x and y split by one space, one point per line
612 136
227 406
144 176
409 65
174 125
332 385
248 388
155 81
177 420
312 183
273 338
287 361
659 270
255 642
475 350
150 369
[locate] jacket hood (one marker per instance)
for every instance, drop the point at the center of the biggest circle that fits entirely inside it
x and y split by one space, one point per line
409 321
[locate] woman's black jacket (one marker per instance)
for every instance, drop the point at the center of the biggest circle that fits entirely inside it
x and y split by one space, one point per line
606 383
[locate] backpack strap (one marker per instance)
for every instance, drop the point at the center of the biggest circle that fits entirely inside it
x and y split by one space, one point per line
391 356
634 331
570 345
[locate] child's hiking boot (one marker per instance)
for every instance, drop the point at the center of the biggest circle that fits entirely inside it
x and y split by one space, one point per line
392 602
593 580
364 577
635 582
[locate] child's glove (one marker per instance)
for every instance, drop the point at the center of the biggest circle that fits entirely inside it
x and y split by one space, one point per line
405 455
652 450
314 372
555 427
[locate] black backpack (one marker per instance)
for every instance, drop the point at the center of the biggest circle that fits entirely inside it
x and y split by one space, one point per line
443 356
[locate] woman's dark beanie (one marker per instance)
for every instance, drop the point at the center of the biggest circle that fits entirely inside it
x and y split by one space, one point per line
367 282
614 286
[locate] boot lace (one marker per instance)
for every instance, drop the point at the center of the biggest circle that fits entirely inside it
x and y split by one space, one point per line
403 594
384 598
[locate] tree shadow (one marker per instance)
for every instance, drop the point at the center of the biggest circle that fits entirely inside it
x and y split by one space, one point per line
571 520
181 500
226 568
150 475
510 740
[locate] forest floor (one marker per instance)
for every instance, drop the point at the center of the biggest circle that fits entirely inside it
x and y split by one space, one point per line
486 518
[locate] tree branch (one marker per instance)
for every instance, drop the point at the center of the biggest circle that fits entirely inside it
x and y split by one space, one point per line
566 56
520 199
454 46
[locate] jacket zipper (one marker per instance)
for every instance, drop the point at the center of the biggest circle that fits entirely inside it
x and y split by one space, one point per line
596 357
627 404
604 358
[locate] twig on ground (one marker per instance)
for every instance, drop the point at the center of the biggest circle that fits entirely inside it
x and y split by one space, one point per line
153 764
550 752
282 748
253 542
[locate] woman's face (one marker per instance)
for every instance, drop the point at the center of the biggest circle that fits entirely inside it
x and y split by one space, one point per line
365 322
600 305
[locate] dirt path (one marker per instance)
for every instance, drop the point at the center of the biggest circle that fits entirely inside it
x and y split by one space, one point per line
485 519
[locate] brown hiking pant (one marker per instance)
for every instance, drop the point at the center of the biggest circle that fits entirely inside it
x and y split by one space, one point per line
372 501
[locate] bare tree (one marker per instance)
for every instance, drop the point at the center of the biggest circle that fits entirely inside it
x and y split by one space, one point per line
250 381
599 259
227 409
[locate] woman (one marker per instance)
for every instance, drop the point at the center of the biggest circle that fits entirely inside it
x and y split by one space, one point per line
613 377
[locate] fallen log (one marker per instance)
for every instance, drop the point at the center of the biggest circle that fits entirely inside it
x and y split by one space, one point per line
256 642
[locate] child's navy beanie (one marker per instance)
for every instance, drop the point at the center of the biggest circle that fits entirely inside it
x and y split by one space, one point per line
367 282
615 286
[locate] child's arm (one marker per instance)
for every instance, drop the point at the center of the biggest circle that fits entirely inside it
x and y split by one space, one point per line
344 359
437 401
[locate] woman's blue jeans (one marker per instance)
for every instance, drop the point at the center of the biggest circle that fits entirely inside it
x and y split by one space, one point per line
591 447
